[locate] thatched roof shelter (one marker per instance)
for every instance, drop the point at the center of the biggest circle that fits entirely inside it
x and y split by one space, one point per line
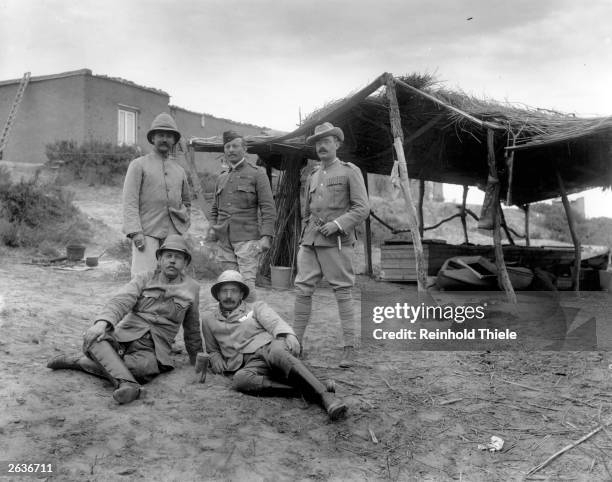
445 140
516 154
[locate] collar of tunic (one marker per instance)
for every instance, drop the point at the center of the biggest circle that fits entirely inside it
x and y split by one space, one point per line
238 165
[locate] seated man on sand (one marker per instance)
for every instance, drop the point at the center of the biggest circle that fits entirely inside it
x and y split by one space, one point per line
131 338
258 347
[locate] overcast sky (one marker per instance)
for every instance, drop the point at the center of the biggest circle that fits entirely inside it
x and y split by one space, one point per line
261 61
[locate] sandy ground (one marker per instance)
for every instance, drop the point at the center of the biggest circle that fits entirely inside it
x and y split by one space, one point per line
413 416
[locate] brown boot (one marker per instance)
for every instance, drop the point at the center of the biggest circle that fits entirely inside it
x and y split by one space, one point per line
301 377
336 408
273 388
77 361
127 388
127 392
348 357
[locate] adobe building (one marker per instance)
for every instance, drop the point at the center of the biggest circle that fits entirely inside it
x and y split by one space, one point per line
81 106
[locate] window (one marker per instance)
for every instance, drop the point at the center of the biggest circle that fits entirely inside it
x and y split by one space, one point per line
126 133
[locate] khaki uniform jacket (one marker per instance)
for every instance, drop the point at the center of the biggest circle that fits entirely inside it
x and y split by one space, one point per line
239 194
155 194
245 330
338 194
150 303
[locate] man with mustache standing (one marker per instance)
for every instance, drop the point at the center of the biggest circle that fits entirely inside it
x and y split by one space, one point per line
242 196
336 202
156 196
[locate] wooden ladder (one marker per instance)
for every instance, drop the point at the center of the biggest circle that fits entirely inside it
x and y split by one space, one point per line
13 112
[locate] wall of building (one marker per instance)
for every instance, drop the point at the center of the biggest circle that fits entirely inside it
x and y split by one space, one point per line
80 106
50 110
103 99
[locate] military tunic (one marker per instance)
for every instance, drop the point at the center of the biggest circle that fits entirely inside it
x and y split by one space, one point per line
156 203
150 304
239 193
242 193
335 193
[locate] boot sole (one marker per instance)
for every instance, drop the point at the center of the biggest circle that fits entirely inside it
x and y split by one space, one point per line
337 412
126 394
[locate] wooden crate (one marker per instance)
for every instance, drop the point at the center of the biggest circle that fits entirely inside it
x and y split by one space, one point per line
398 262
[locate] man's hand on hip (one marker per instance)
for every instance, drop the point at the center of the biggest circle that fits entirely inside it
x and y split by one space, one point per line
139 241
329 228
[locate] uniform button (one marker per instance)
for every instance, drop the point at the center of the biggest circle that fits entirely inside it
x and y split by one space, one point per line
165 173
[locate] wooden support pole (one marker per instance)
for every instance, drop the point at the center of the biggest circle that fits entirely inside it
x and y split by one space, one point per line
420 211
368 231
398 142
509 155
463 214
502 274
572 227
526 209
504 224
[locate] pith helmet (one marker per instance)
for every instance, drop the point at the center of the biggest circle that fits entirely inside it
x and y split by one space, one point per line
324 130
163 122
229 276
175 242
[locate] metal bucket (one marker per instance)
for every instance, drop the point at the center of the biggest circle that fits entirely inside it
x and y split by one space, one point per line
75 252
280 277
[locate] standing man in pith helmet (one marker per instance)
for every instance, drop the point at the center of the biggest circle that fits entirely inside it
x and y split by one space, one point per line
243 211
129 342
156 196
336 202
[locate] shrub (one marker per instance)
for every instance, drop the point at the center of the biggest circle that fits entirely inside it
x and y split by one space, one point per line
93 161
31 214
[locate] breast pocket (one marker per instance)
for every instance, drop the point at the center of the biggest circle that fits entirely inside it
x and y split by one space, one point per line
180 308
149 297
247 195
338 195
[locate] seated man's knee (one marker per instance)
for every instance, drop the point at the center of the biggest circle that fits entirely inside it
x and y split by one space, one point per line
143 365
279 356
246 380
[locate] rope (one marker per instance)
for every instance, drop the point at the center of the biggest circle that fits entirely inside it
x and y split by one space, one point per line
391 228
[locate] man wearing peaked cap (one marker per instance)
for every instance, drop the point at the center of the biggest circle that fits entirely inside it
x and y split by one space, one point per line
336 202
156 196
243 211
130 340
255 345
